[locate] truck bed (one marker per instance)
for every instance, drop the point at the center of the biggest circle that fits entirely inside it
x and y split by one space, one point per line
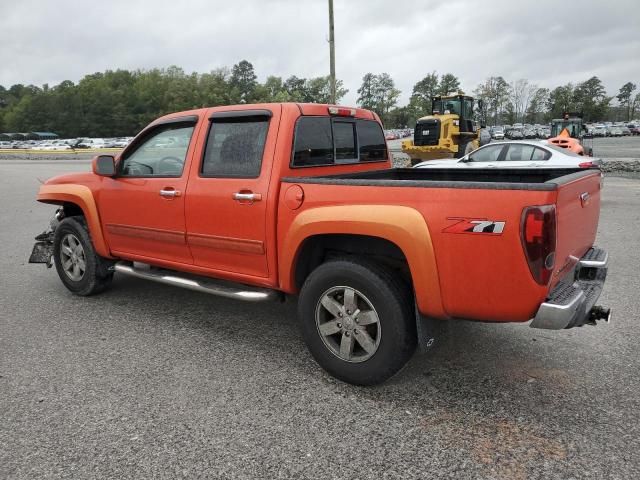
490 268
503 179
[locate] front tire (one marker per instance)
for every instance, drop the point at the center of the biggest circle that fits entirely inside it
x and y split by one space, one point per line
357 320
79 267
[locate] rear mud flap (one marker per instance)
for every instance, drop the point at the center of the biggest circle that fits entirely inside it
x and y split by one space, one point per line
430 331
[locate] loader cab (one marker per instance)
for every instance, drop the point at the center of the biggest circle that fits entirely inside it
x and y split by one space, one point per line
573 125
460 105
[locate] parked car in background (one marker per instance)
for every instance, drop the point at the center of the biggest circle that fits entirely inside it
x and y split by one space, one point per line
497 133
515 134
91 143
600 131
529 132
516 155
53 146
626 131
116 143
615 131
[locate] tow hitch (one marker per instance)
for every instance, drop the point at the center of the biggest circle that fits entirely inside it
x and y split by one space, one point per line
599 312
571 303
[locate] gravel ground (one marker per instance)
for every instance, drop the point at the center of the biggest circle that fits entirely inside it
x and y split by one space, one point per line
150 381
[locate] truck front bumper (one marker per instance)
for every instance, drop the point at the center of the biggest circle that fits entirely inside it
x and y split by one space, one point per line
572 303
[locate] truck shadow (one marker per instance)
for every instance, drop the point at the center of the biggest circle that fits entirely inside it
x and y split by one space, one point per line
471 357
487 389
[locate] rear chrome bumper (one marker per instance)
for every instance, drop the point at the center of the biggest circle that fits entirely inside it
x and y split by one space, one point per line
572 303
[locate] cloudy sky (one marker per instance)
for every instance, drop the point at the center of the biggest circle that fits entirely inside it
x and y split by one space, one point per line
548 42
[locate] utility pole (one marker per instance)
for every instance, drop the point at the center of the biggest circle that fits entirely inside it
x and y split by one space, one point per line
332 54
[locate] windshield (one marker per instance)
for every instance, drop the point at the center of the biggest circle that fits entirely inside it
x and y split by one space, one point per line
571 125
456 106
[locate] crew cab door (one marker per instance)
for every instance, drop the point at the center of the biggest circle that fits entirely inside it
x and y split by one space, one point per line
228 193
142 207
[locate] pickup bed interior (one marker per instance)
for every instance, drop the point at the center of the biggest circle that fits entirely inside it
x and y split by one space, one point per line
503 179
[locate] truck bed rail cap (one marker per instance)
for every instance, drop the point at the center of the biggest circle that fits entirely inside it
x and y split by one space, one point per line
422 183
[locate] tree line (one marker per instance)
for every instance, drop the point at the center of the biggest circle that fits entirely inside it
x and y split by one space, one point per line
503 102
121 102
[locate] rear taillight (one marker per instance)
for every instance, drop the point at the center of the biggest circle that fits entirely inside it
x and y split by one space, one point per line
586 165
539 241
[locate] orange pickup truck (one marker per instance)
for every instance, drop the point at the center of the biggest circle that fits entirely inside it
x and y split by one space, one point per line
260 202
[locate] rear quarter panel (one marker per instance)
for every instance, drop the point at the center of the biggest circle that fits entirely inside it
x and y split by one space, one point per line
464 275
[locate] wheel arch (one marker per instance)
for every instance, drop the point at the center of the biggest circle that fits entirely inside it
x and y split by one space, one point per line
393 234
75 200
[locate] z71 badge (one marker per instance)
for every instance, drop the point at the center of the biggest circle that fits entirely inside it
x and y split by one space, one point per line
474 225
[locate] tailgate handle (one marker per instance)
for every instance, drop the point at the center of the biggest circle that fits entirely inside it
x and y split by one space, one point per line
585 199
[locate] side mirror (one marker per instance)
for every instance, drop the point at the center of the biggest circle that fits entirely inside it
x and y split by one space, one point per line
104 165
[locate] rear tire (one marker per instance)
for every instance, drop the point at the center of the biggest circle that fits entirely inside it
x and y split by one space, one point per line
79 267
370 346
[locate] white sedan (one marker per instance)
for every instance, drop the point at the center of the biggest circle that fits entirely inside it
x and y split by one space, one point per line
516 155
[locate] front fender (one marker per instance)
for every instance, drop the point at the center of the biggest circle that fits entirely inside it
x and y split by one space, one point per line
81 196
403 226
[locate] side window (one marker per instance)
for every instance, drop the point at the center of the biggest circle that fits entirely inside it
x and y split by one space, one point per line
344 137
486 154
371 141
314 142
526 153
540 154
519 153
161 154
235 147
329 141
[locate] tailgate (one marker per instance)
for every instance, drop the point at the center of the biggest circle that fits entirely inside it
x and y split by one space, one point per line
577 214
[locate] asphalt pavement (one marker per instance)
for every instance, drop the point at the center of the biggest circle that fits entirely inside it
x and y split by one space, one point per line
151 381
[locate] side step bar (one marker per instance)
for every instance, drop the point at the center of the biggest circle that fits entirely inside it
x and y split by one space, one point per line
212 286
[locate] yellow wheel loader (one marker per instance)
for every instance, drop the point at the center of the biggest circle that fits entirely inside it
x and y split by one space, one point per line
449 132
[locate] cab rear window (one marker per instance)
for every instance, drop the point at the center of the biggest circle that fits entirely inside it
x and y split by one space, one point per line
323 141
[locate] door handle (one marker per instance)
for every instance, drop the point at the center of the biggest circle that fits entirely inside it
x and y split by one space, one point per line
169 192
247 197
